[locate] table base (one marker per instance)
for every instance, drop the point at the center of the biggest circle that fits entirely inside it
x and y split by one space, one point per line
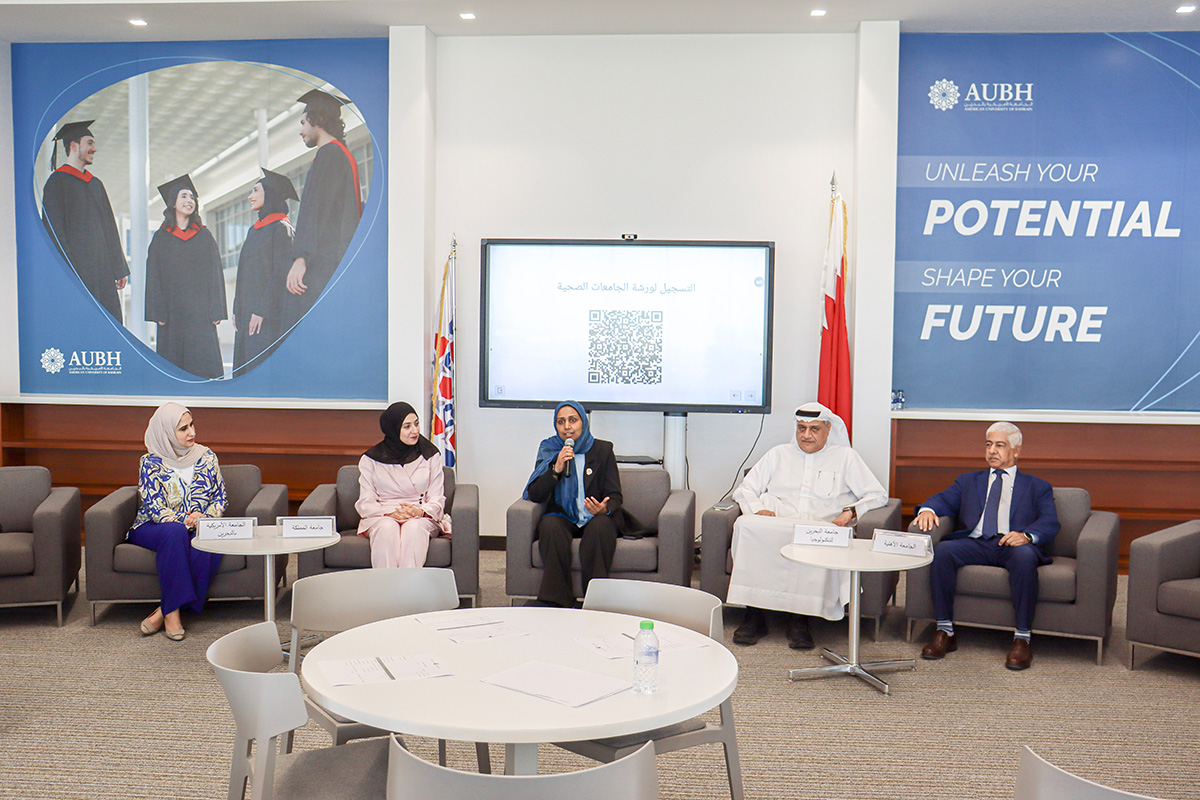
843 666
520 759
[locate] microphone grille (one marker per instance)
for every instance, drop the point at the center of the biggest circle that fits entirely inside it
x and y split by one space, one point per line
570 442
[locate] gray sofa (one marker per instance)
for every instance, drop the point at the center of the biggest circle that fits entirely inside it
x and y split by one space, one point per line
39 539
664 554
716 561
1164 591
1076 591
459 552
121 572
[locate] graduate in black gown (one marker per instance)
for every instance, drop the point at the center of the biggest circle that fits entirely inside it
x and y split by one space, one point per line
79 217
329 209
185 290
262 271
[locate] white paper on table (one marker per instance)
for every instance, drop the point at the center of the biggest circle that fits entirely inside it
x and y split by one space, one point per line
559 684
671 640
460 619
478 633
614 645
414 667
354 671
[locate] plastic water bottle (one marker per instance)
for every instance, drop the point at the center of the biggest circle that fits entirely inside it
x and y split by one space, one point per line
645 659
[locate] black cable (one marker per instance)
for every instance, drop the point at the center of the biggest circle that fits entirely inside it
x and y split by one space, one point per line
761 419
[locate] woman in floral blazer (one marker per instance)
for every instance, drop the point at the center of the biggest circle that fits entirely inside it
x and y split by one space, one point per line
179 483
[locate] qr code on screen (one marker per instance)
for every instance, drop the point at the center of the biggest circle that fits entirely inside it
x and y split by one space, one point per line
625 347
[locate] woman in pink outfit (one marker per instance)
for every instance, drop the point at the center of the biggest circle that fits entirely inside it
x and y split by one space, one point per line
401 498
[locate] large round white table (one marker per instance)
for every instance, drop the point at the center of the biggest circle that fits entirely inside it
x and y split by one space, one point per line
461 707
266 542
857 558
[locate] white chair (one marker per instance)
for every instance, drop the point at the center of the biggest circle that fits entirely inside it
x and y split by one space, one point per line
332 602
266 704
1038 779
631 778
688 608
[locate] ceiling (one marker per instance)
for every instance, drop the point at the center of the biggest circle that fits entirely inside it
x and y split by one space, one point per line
45 20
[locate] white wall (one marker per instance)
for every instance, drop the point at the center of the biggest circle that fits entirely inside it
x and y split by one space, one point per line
669 137
9 372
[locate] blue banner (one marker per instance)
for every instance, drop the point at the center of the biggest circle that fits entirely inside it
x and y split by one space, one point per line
209 106
1047 205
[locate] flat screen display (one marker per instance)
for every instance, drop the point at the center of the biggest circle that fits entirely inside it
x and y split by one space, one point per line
631 325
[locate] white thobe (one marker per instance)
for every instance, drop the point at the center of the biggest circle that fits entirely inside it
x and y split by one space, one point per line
798 487
381 490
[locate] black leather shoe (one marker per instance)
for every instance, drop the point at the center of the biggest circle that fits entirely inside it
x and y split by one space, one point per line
798 635
753 627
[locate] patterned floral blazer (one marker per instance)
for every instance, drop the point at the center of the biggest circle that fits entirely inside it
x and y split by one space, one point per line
164 499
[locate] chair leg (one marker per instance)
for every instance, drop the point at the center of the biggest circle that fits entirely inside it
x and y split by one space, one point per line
441 752
93 605
58 607
733 765
1099 652
239 769
484 756
1132 663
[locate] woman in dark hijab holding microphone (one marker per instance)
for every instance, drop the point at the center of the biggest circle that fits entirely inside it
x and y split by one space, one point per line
577 474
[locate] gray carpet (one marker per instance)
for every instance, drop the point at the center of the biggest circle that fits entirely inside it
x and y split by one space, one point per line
104 713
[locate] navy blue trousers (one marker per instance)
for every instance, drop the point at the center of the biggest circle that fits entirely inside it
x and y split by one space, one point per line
1021 562
184 572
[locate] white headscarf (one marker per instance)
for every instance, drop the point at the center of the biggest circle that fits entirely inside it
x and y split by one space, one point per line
837 429
161 441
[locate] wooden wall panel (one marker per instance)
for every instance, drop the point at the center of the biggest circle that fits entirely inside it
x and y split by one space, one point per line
1149 474
97 447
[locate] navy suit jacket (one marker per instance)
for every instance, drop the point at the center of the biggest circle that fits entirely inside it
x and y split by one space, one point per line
1031 509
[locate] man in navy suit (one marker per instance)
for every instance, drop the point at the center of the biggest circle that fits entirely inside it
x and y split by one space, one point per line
1007 520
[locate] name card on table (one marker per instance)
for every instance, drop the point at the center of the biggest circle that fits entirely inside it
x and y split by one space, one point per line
306 526
906 544
823 535
226 528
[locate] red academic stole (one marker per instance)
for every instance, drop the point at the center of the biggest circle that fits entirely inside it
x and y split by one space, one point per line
267 220
84 176
354 172
184 235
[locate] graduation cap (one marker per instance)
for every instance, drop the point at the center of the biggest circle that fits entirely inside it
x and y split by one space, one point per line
323 100
278 185
70 132
172 187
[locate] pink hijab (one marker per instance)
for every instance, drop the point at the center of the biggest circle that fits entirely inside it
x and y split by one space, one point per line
161 441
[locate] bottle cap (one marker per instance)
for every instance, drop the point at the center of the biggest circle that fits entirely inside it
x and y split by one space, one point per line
647 625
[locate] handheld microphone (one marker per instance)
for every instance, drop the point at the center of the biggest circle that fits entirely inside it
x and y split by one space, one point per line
567 468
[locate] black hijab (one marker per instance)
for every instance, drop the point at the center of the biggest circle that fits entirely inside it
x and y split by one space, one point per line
393 451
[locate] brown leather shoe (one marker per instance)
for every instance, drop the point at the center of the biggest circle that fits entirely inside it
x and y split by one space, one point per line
1020 655
939 645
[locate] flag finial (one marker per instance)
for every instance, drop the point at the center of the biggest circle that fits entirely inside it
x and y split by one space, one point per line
833 184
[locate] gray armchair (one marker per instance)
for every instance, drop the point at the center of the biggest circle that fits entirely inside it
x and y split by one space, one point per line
663 555
716 561
1164 591
459 551
122 572
1076 591
39 539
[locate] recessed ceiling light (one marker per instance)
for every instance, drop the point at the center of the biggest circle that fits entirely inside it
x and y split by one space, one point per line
818 12
138 23
467 15
1185 9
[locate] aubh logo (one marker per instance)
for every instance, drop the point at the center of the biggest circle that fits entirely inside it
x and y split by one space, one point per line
943 95
1000 93
81 361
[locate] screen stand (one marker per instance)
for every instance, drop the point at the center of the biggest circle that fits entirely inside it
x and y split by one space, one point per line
675 447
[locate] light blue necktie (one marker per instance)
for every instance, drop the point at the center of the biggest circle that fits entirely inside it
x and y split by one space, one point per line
991 510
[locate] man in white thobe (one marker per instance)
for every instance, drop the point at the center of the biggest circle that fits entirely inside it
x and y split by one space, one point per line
817 478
